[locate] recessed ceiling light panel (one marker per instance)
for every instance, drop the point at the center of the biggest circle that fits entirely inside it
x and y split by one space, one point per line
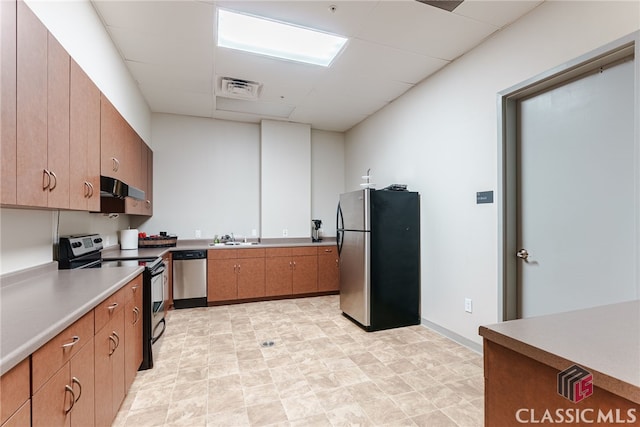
277 39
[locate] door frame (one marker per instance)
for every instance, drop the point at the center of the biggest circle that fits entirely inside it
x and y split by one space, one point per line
508 303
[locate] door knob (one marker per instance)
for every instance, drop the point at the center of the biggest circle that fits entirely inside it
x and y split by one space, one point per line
523 254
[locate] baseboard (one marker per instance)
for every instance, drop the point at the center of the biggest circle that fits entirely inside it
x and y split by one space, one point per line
453 336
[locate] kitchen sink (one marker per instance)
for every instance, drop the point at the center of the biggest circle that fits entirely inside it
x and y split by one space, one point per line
234 244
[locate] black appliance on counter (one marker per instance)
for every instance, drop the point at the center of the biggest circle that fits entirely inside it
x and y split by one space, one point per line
85 251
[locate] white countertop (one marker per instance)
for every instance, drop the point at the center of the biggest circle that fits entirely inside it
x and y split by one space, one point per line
605 340
40 305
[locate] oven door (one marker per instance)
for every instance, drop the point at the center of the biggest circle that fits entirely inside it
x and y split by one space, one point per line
158 289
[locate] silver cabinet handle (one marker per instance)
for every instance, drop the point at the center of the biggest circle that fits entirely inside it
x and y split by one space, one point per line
290 265
136 311
75 380
523 254
112 306
75 339
134 288
118 338
46 175
115 345
149 202
294 265
116 164
89 190
73 398
328 250
239 268
55 180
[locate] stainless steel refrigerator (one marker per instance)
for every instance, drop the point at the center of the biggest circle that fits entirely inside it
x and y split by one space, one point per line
378 238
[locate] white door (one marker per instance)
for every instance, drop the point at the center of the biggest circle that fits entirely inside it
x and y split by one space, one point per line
577 194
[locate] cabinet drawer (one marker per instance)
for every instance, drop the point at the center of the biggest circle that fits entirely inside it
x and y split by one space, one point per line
221 253
250 253
14 389
276 252
51 356
132 289
324 250
110 307
304 250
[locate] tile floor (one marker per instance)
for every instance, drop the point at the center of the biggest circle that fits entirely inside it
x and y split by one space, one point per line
322 370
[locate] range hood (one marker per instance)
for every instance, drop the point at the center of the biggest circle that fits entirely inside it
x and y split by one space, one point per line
113 187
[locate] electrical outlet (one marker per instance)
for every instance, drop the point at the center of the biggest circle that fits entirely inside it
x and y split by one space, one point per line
468 305
285 232
198 234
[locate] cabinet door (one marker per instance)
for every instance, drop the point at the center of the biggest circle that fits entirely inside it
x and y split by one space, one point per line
222 282
57 124
278 276
328 270
22 417
305 274
168 280
14 389
149 191
84 141
52 403
31 108
109 369
111 139
8 105
251 278
82 382
133 338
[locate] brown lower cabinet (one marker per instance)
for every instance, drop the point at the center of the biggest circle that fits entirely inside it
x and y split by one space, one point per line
291 270
328 269
258 273
235 274
67 399
14 396
109 369
81 376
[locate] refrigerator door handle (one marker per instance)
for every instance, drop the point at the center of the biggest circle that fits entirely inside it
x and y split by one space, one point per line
339 228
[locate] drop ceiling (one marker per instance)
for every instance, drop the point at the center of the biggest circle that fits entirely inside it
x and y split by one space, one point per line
169 48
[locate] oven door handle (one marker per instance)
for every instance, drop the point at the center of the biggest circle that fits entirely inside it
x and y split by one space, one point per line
157 271
157 337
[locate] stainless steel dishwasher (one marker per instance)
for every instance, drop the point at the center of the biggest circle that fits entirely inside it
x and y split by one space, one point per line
190 279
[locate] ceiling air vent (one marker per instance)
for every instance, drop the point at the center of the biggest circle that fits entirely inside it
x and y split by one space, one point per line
448 5
239 89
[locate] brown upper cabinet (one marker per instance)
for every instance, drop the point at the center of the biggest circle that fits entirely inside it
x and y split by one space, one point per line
33 178
119 146
84 153
8 175
58 132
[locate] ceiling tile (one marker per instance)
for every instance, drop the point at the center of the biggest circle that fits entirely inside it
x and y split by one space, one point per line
497 12
177 78
365 57
423 29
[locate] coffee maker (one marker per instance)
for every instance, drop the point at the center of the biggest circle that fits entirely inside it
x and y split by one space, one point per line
316 224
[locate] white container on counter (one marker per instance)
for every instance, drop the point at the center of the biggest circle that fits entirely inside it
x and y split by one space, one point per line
129 239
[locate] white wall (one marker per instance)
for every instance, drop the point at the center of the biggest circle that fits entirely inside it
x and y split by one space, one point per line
76 25
207 176
285 179
327 177
441 139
